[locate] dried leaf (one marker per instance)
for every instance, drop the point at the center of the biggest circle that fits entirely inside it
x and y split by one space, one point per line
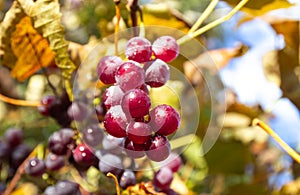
31 49
142 189
25 189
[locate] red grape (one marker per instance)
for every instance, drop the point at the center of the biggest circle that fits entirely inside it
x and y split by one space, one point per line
163 178
138 132
83 155
138 49
159 148
157 73
112 96
165 48
107 68
115 122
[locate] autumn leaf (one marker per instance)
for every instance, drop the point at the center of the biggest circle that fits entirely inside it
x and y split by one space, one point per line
26 188
31 49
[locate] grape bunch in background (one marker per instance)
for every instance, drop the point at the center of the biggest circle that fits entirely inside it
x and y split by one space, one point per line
129 114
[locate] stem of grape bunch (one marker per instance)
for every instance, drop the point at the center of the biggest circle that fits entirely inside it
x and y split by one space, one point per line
116 181
271 132
18 102
212 24
118 16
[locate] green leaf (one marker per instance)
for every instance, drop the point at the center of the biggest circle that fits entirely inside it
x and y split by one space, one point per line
260 7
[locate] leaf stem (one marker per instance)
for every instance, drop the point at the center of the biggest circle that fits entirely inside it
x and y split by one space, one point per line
116 181
270 131
203 16
19 102
212 24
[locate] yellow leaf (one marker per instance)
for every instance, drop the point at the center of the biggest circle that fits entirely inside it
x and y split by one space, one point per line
26 189
31 49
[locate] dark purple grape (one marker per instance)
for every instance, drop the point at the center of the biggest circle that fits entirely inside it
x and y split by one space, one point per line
111 163
163 178
112 144
138 132
115 122
19 154
61 141
173 162
157 73
5 151
64 187
164 119
100 111
83 155
165 48
130 75
35 167
50 190
107 68
78 111
46 101
2 187
127 179
112 96
138 49
134 150
14 136
93 135
159 148
54 162
136 103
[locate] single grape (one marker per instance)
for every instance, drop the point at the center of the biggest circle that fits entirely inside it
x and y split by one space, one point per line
111 163
127 179
14 136
134 150
107 68
115 122
46 101
144 88
61 141
159 148
78 111
173 162
50 190
93 135
112 96
54 162
157 73
35 167
5 151
164 119
165 48
64 187
130 75
138 49
2 187
138 132
83 155
19 154
136 103
163 178
112 144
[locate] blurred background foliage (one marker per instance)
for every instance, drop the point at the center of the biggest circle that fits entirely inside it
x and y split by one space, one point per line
257 57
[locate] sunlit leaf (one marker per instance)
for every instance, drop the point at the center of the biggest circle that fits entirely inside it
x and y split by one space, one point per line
142 189
260 7
26 189
31 49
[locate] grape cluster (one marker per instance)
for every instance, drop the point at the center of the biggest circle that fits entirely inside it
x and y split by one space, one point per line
129 114
63 187
13 151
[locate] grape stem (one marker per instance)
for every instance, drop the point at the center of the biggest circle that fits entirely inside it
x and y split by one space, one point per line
19 102
212 24
271 132
116 181
142 27
203 16
116 37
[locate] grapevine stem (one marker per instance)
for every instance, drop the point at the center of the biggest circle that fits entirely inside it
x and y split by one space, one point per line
270 131
182 141
142 27
116 181
203 16
19 102
116 37
212 24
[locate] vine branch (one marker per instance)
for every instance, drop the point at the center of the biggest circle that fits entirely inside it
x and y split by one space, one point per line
19 102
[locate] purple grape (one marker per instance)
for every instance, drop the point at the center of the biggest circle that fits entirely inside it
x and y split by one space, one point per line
165 48
111 163
163 178
130 75
157 73
115 122
46 101
164 119
13 137
78 111
50 190
107 68
19 154
93 135
144 88
159 148
5 151
100 111
64 187
83 155
61 141
112 144
112 96
127 179
134 150
54 162
35 167
138 132
2 187
173 162
136 103
138 49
